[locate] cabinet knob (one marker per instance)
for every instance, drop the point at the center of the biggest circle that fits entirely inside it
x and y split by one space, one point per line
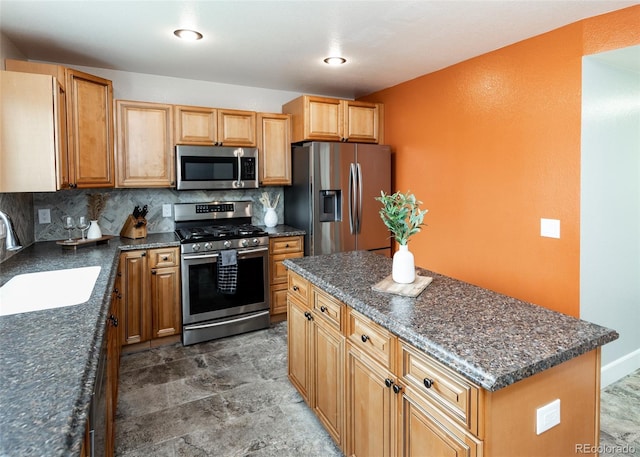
428 383
143 254
364 338
388 382
323 309
397 388
153 271
114 320
165 258
295 288
286 245
308 315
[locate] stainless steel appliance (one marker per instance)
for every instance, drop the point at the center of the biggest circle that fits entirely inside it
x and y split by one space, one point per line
216 167
224 270
332 196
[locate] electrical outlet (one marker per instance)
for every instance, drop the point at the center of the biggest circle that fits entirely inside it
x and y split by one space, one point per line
44 216
547 416
166 210
550 228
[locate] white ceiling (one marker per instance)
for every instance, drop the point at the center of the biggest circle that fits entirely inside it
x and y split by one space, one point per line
281 44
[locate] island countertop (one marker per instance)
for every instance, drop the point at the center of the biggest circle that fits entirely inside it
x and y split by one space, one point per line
491 339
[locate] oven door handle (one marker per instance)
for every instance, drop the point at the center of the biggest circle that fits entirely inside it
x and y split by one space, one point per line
225 322
251 251
200 256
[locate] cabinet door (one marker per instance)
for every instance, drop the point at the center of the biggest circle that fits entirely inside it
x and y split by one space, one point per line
165 301
195 125
90 130
299 334
236 128
135 311
361 121
113 368
328 378
425 432
371 407
145 144
323 119
28 135
275 149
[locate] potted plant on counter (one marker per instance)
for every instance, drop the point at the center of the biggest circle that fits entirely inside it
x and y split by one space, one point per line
402 215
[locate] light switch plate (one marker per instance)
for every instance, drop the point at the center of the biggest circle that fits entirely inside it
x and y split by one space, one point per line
166 210
550 228
44 216
547 416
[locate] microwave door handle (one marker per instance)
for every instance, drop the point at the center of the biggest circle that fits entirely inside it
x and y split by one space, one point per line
239 153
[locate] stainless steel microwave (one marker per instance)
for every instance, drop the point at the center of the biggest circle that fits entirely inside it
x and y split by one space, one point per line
216 167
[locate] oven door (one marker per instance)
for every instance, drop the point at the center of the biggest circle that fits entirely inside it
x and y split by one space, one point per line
202 299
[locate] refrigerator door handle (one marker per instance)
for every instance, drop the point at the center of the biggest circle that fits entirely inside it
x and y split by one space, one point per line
352 194
359 210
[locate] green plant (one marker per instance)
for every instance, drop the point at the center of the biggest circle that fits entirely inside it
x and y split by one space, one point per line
401 214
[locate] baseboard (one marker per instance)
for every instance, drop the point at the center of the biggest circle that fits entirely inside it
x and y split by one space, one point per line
619 368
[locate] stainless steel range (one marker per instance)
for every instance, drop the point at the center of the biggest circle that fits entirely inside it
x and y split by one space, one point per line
224 266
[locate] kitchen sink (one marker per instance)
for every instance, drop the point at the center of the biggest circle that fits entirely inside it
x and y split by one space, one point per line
47 289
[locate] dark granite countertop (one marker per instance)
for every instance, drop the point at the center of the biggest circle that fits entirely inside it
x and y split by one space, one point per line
491 339
283 230
48 359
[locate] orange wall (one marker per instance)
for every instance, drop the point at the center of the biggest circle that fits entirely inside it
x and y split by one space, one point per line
491 145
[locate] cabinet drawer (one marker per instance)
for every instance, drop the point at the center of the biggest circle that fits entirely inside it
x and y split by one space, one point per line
279 299
299 288
164 257
278 271
372 339
327 307
440 385
285 245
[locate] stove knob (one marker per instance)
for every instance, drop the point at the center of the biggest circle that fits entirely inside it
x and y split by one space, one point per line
195 247
244 243
255 241
207 246
227 244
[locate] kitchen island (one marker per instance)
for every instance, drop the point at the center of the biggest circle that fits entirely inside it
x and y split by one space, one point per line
470 367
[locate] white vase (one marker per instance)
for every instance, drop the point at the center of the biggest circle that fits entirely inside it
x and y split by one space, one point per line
94 231
403 270
271 218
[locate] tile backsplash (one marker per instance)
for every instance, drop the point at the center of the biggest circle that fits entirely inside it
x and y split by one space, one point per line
19 207
120 204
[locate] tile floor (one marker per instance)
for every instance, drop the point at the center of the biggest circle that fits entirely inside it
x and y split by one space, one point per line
231 397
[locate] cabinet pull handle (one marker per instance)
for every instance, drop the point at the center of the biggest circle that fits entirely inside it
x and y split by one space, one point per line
308 315
397 388
364 338
323 309
428 383
388 382
153 272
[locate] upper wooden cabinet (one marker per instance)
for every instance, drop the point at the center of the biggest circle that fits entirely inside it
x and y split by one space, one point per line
144 153
332 119
274 145
30 137
215 127
87 127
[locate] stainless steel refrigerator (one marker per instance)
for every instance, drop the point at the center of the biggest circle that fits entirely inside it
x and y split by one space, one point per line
332 196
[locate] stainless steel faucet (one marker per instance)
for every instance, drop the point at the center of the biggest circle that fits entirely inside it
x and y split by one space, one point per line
12 242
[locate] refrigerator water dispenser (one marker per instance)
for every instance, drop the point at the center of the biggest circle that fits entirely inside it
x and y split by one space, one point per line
330 205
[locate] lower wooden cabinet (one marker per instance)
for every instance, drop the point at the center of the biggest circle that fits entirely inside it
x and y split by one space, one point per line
150 304
280 249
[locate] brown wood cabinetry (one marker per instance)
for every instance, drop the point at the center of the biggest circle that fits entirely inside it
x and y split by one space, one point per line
214 126
144 152
398 400
280 249
150 305
316 353
113 367
330 119
85 125
274 146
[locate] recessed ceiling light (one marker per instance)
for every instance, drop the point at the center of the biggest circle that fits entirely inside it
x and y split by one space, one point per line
335 61
188 35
